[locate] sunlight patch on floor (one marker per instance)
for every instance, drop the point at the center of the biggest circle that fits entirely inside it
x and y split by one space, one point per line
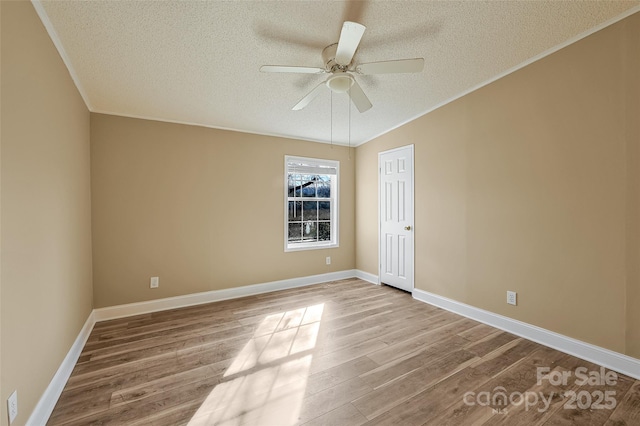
266 382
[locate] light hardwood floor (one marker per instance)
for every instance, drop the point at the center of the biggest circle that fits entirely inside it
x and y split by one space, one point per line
341 353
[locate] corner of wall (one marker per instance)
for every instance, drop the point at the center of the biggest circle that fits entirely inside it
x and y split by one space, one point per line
631 85
46 279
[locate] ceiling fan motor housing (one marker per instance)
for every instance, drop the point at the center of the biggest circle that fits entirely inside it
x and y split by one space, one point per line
340 81
329 58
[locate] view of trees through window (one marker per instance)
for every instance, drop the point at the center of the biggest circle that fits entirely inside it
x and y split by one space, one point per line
309 208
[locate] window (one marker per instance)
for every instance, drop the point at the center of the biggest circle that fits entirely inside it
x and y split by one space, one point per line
311 206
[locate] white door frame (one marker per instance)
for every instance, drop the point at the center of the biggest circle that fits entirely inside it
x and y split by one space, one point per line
380 207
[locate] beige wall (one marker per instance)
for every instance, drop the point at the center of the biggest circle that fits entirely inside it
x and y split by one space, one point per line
46 211
2 410
526 185
200 208
632 32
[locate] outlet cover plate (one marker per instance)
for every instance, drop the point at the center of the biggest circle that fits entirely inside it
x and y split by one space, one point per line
512 297
155 282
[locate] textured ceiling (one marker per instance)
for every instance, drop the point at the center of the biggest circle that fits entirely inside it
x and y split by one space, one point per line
198 62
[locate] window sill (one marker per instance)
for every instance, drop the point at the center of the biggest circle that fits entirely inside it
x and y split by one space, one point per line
311 247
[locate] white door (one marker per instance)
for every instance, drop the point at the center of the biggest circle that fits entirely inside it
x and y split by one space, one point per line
395 197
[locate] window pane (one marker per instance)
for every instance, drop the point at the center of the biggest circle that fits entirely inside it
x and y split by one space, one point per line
295 232
324 231
323 186
324 210
291 183
309 231
294 183
298 188
309 186
310 210
295 210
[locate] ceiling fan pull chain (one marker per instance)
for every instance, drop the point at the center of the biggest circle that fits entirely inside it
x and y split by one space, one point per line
349 104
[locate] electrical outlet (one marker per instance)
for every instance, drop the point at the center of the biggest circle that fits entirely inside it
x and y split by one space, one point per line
328 260
155 282
511 297
12 406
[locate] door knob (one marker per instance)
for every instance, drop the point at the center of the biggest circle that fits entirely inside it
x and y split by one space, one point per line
407 228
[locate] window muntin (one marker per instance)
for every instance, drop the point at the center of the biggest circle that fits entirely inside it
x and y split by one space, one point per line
311 211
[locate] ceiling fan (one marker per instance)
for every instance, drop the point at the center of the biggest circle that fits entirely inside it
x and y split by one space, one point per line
338 58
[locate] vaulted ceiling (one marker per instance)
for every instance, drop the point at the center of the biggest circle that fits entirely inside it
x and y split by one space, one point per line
198 62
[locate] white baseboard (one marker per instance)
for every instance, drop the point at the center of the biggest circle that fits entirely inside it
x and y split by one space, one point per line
47 402
373 279
121 311
44 407
613 360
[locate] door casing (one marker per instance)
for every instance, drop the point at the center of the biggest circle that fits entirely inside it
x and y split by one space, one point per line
410 272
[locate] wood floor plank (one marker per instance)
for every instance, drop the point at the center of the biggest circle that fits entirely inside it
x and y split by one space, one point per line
478 332
158 355
490 343
339 353
590 416
504 356
420 341
329 399
422 324
627 411
422 408
336 358
332 376
397 391
532 411
400 367
346 414
126 395
514 378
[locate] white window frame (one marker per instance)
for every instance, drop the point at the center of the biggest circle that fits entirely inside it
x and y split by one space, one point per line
310 164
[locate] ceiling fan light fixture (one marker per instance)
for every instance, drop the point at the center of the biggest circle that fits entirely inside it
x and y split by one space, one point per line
340 83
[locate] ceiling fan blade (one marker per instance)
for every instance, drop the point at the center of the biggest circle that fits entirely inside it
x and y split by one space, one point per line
391 67
349 40
310 96
286 68
358 97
